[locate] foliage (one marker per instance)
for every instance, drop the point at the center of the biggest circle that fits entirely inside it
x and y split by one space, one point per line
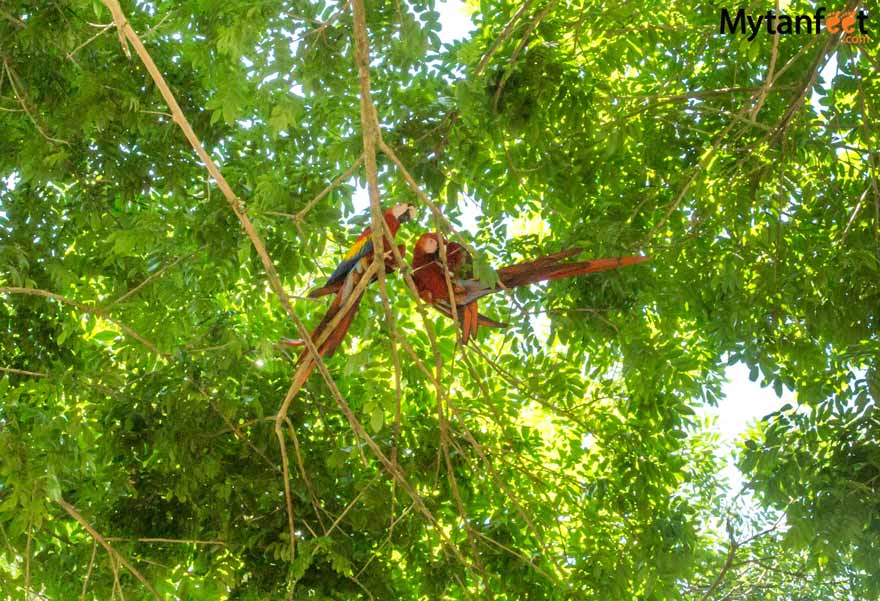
140 379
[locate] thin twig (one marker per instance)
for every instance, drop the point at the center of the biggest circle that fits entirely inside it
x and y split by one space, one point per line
232 427
872 156
324 25
117 586
101 32
815 68
505 33
522 44
171 541
158 24
72 511
855 214
351 504
305 476
300 215
462 512
24 372
728 562
89 570
163 114
21 95
85 309
288 497
768 82
27 562
152 277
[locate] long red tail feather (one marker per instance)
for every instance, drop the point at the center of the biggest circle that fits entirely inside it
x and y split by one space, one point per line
547 268
325 290
329 346
338 335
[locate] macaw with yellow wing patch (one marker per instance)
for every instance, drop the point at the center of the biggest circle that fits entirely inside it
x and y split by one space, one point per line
345 278
362 249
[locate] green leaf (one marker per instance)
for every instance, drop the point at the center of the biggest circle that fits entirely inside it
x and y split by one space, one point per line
286 113
377 418
484 272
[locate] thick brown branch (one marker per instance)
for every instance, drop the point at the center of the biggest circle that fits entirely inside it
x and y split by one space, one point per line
126 32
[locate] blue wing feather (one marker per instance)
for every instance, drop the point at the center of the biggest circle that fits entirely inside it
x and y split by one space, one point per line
347 265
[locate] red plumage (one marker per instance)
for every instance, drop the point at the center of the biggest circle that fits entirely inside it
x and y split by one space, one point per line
362 249
345 289
431 281
345 278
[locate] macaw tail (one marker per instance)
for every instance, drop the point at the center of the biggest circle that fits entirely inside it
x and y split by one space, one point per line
337 334
325 290
548 268
469 319
328 348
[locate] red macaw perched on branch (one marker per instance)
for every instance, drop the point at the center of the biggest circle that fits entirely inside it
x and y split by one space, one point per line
432 285
348 274
362 250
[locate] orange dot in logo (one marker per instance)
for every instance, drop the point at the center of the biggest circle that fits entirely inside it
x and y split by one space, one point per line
849 21
832 23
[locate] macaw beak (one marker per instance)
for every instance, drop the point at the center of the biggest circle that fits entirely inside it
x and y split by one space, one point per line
407 215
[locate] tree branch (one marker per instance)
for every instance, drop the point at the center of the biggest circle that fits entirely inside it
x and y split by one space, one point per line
72 511
21 95
24 372
85 309
505 33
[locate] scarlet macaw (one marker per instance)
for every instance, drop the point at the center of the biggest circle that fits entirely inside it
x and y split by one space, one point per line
466 290
362 250
346 276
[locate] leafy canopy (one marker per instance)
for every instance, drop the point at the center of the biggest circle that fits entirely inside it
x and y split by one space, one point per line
560 459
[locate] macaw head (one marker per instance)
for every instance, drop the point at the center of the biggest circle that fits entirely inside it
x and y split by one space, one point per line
427 249
403 212
427 245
